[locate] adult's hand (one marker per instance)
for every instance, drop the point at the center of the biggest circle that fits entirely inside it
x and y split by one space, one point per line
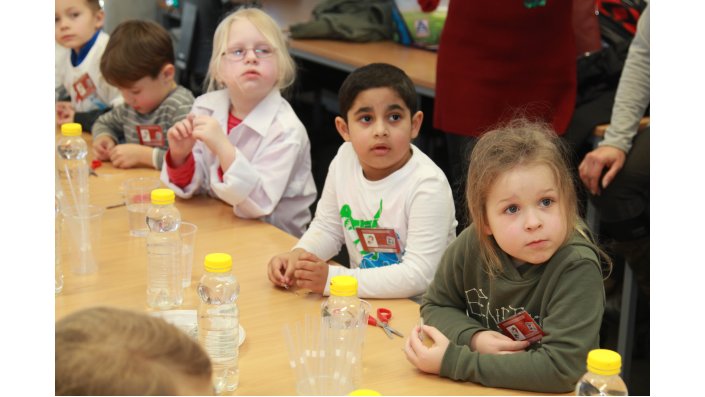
595 162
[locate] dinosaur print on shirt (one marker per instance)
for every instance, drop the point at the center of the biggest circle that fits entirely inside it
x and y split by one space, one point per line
369 259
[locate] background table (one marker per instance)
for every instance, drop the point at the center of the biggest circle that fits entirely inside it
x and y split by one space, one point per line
419 65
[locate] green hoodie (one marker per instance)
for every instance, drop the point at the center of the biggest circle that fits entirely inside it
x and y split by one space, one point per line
565 296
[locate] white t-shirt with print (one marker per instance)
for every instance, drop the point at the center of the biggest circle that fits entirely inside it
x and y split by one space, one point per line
416 201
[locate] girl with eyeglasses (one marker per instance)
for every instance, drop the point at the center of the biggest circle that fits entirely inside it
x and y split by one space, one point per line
242 142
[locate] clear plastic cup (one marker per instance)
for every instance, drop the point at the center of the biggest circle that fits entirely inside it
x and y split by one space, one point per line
137 199
323 386
82 230
188 244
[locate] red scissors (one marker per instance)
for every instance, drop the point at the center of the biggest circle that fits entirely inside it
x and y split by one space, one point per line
382 321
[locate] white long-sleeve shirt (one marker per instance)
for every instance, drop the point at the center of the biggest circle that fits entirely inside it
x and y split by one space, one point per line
416 201
270 178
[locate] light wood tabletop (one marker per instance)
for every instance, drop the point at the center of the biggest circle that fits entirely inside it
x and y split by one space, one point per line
419 65
264 309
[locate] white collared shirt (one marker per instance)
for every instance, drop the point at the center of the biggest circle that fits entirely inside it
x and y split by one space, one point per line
271 177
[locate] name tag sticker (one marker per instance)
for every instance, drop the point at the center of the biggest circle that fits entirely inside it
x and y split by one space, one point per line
522 327
84 87
378 240
151 135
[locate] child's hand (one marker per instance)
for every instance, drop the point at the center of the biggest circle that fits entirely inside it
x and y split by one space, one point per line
292 258
276 269
310 272
492 342
102 147
181 140
130 155
207 130
427 359
64 113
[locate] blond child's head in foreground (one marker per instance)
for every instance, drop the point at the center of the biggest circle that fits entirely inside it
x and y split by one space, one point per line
76 21
107 351
521 193
139 61
250 56
380 117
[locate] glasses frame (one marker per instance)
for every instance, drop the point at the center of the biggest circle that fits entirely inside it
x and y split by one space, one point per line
230 56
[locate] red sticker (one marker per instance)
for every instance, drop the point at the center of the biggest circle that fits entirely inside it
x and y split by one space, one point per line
522 327
151 135
141 198
84 87
378 240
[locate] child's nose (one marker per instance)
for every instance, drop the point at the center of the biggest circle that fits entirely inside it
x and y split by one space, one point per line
380 128
532 220
250 55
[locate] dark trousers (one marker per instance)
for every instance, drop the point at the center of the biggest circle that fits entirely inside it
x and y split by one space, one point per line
459 149
624 210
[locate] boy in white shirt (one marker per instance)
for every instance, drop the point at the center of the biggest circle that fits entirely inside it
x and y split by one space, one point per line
383 198
78 28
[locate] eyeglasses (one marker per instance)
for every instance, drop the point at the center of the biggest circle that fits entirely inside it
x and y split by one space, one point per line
238 54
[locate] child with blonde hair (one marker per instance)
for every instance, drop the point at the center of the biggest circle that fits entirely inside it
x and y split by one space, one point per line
108 351
527 250
242 142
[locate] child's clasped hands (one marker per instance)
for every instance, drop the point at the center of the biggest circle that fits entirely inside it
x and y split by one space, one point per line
298 268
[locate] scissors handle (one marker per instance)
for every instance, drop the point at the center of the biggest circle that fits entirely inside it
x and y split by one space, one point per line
384 314
372 321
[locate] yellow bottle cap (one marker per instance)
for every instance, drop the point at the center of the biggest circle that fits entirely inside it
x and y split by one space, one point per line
162 196
343 286
604 362
71 129
218 263
364 392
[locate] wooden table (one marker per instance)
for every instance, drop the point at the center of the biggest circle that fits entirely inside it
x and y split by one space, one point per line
419 64
264 309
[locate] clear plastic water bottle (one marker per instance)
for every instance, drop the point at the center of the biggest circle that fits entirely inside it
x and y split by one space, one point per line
164 289
602 378
219 320
344 320
72 165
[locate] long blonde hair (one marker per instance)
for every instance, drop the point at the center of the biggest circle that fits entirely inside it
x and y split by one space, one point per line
519 142
108 351
271 32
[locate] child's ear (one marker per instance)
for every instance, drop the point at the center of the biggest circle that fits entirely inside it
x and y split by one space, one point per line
342 128
168 72
416 121
99 19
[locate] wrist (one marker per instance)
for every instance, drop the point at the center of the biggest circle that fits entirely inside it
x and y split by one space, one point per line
177 158
473 341
226 154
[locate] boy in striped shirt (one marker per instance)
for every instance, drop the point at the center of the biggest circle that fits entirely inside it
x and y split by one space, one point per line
139 60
